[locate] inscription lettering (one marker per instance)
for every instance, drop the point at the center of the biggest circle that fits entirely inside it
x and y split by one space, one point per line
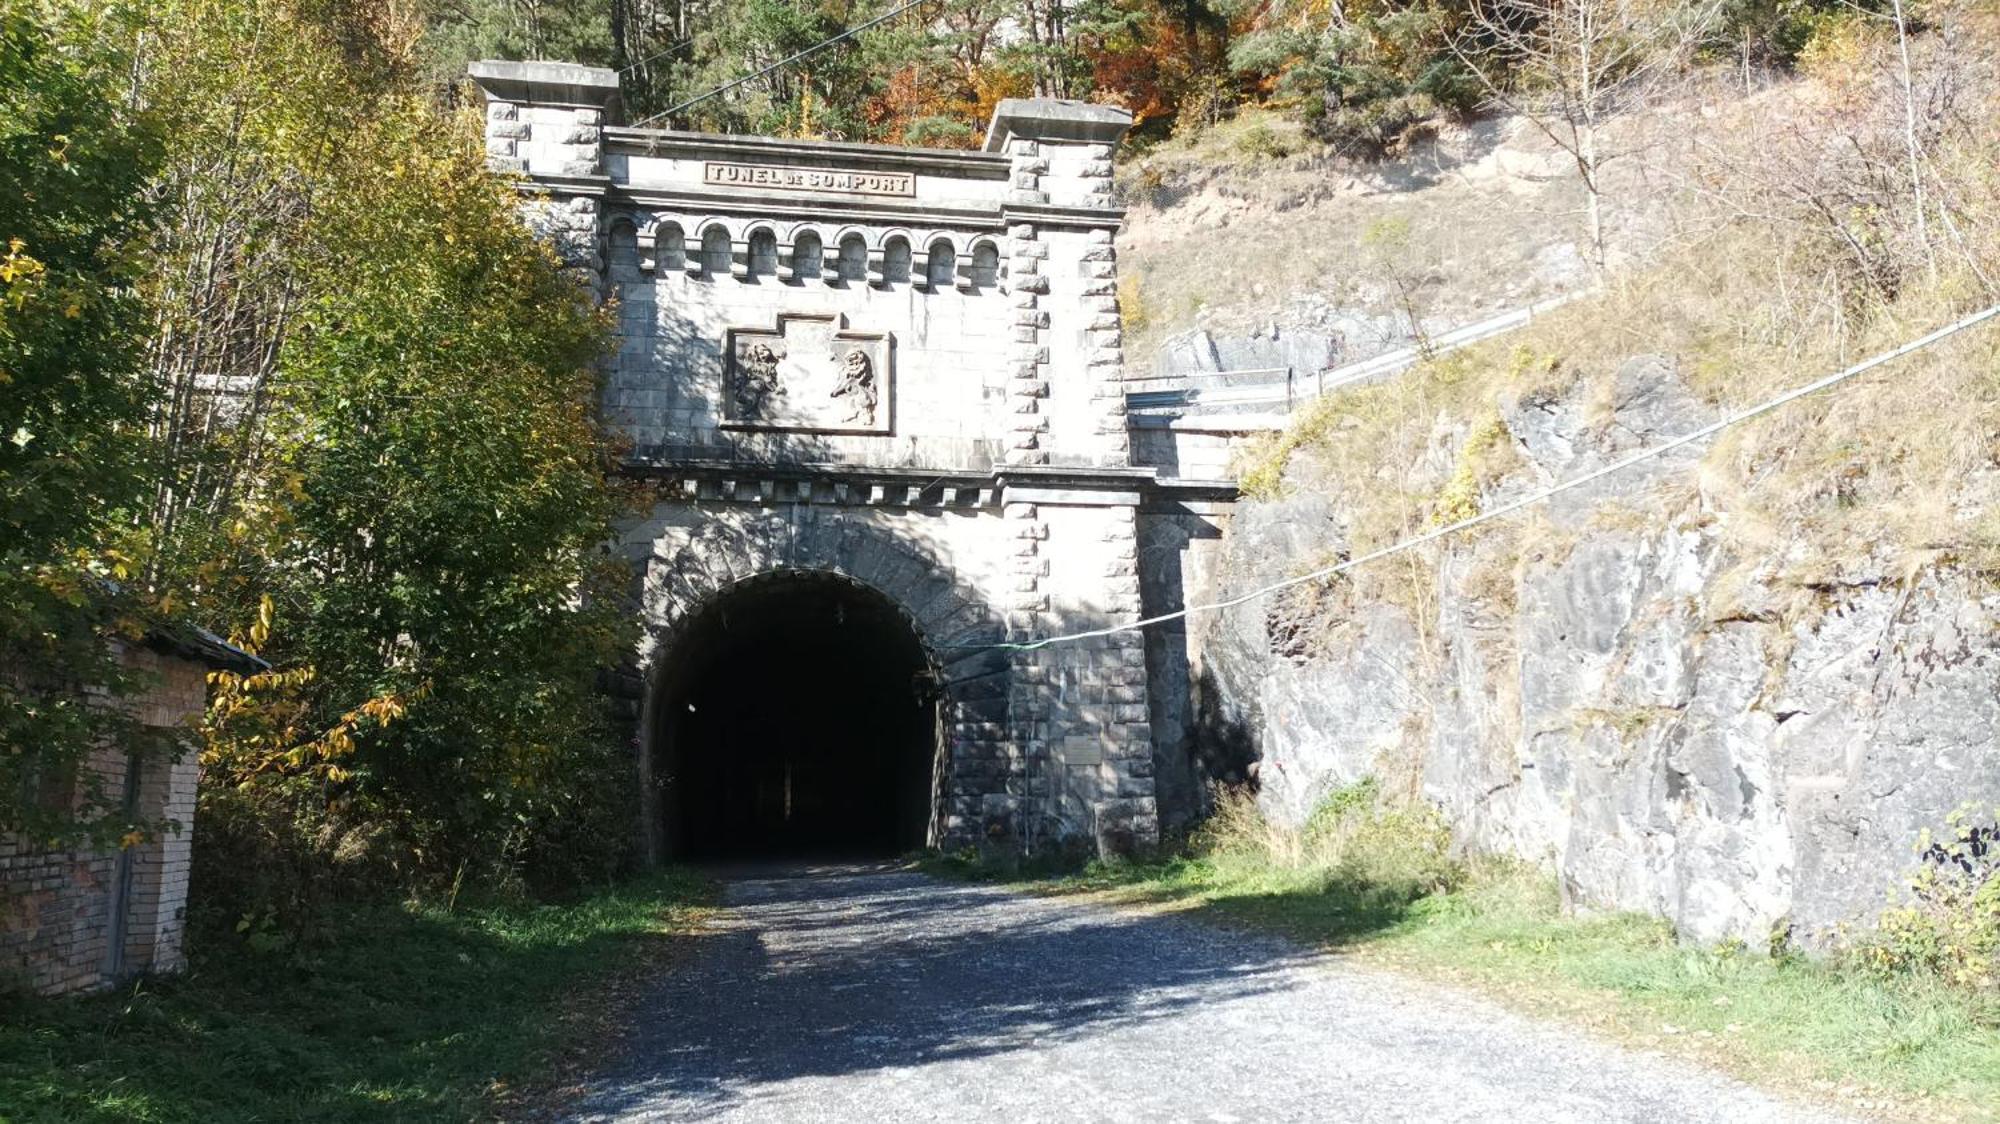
809 179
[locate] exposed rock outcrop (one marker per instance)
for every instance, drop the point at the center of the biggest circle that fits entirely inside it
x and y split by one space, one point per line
1615 686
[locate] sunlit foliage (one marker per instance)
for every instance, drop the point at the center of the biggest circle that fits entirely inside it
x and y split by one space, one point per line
74 163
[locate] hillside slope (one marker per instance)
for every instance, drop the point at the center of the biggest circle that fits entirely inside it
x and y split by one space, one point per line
1734 688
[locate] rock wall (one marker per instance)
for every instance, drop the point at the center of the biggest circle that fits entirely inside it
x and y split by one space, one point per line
1614 685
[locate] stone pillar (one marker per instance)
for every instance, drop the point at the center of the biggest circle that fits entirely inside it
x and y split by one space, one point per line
1077 712
1104 340
547 119
1030 384
1116 688
1061 153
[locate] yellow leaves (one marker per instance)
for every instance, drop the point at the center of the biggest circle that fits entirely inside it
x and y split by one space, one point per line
130 840
20 274
260 632
262 725
384 709
17 265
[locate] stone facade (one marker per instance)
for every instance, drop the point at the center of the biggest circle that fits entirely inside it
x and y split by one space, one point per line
84 918
899 366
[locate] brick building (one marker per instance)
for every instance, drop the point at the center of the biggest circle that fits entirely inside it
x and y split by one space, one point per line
84 918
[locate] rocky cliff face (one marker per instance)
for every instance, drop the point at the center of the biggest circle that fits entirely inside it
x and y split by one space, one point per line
1616 685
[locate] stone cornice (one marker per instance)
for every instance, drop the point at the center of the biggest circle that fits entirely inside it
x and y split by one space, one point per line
548 83
546 184
820 208
1058 215
903 486
846 209
1055 119
935 161
827 208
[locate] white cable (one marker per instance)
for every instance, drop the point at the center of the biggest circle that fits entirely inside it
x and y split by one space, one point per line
1508 508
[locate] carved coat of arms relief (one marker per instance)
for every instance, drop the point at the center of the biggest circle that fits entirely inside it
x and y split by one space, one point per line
808 373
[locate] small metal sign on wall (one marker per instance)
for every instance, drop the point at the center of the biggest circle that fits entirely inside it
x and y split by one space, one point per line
782 178
809 374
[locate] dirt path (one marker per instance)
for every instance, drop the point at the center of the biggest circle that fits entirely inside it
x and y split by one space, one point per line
878 995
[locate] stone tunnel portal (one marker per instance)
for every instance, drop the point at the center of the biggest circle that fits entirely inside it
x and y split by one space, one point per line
798 717
901 365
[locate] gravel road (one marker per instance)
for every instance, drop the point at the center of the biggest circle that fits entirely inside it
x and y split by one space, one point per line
870 994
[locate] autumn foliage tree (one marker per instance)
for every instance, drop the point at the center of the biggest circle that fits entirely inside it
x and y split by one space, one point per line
277 352
418 494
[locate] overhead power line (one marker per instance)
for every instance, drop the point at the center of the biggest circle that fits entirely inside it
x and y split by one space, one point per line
1509 508
654 57
781 63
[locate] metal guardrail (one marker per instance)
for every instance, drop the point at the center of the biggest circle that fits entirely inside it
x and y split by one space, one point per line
1219 395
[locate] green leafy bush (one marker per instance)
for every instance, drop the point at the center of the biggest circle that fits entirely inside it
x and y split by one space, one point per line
74 165
1950 925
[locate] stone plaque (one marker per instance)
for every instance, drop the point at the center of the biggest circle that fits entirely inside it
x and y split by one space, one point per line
778 177
809 373
1081 749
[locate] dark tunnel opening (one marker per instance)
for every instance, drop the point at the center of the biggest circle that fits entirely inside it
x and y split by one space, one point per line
798 719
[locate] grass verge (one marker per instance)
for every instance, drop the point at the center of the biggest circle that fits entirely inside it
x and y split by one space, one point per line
413 1013
1374 882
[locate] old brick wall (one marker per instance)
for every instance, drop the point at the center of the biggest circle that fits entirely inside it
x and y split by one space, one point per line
61 910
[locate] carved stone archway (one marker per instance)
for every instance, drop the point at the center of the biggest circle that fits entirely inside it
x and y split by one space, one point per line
735 550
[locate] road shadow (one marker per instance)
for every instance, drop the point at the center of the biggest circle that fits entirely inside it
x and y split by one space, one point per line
816 973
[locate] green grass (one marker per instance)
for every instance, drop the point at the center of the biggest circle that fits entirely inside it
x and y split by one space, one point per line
413 1013
1892 1044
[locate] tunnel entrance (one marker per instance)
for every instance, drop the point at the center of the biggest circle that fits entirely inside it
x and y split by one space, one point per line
797 717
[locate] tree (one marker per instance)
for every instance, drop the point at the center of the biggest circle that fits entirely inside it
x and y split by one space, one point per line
459 31
1362 73
418 546
377 463
74 162
443 479
1569 65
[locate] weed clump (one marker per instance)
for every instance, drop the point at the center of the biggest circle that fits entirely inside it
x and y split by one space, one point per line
1949 927
1359 843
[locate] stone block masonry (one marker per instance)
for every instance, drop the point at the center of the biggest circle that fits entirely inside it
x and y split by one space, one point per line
971 468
